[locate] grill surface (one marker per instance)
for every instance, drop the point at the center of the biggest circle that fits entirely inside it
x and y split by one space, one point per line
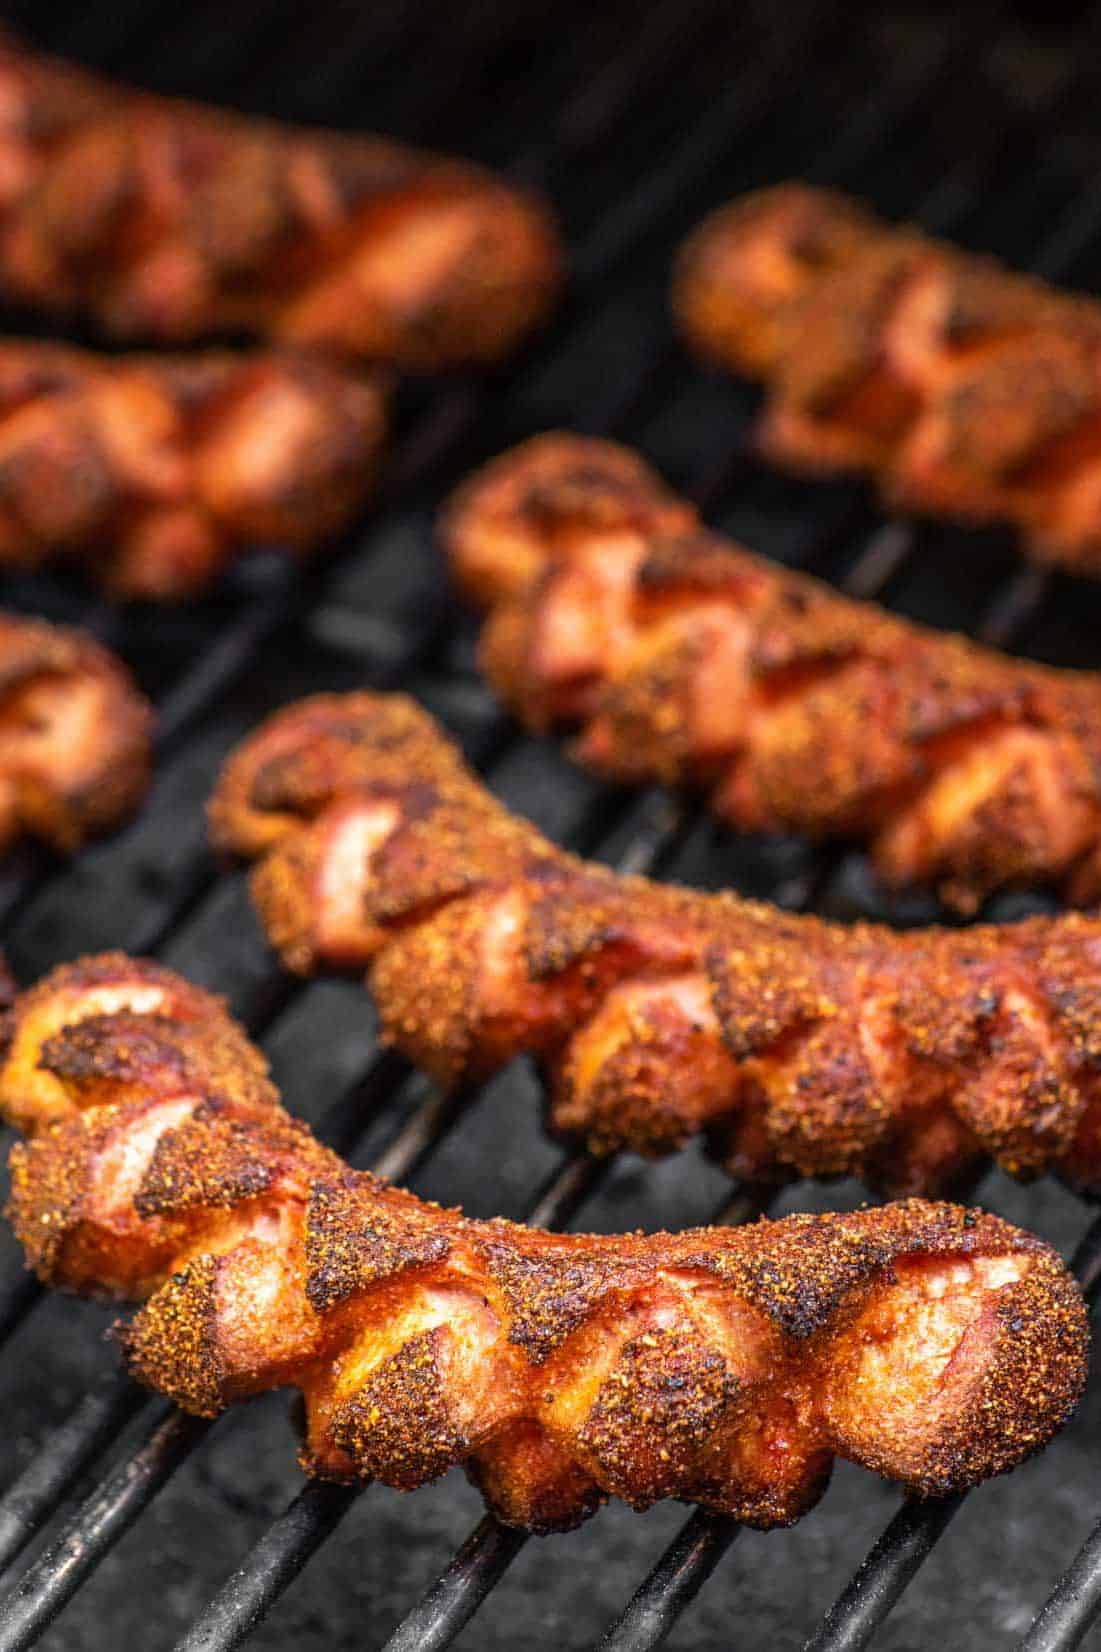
635 124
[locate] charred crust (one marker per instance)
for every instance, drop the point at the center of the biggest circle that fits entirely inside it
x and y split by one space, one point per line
830 1117
629 1102
49 1179
655 1412
573 920
809 1273
121 1047
172 1344
399 1426
548 1297
761 995
355 1238
217 1159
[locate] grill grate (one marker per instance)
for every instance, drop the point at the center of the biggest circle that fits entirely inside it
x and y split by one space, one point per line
635 127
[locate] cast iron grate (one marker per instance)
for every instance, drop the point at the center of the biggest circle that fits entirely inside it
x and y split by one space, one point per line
635 125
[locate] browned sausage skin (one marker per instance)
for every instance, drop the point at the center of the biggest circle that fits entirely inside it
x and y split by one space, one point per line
968 390
75 735
154 472
165 220
935 1345
799 1047
682 657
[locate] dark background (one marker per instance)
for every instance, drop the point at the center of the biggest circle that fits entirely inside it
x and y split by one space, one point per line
634 119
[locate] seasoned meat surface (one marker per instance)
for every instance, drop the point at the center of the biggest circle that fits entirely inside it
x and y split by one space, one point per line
727 1367
164 220
681 657
75 735
154 472
798 1047
968 390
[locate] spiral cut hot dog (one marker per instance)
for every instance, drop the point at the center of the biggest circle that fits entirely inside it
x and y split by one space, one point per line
684 658
798 1046
727 1367
75 735
166 220
968 390
155 471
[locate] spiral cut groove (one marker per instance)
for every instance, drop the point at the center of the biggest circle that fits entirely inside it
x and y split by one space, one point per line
727 1367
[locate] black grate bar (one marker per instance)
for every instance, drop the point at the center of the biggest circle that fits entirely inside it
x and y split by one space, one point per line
96 1527
16 1301
1015 606
275 1562
673 1584
898 1552
1071 1609
472 1574
90 1427
1086 1261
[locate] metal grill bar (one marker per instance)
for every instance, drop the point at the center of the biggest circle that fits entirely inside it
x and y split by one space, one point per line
883 1575
275 1562
474 1571
96 1527
98 1418
673 1584
1071 1609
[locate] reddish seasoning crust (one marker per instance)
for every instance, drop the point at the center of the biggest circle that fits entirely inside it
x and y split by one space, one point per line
75 735
796 1046
727 1367
156 471
684 658
968 390
166 220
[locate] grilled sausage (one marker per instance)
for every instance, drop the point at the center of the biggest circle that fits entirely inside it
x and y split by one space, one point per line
155 471
967 390
684 658
165 220
75 735
799 1047
935 1345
